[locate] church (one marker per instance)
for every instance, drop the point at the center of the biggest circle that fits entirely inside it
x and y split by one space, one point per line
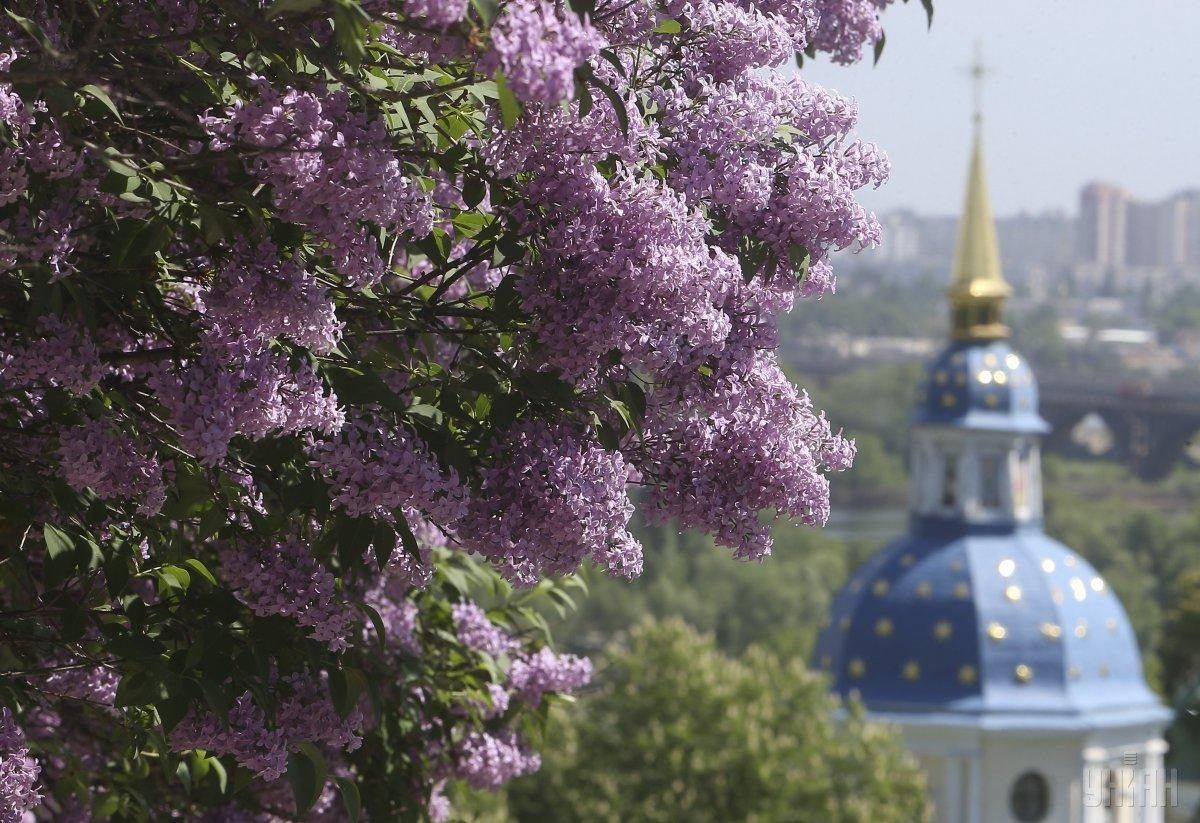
1005 661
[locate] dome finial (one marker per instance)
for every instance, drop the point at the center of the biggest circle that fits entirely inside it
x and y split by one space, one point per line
978 288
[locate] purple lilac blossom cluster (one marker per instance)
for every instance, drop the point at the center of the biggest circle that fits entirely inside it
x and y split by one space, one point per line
112 464
335 174
285 579
674 193
18 772
305 715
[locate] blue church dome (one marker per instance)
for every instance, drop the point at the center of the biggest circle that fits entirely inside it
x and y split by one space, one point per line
1001 625
976 616
981 385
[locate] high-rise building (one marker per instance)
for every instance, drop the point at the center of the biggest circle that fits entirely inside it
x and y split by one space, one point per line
1102 224
1156 232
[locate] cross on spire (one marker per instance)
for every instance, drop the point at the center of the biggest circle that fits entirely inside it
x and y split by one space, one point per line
978 71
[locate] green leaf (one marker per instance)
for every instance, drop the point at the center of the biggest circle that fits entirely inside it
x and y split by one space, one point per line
474 190
306 772
350 798
185 776
219 770
617 103
292 7
35 31
510 106
376 622
350 28
94 91
106 805
488 9
200 569
407 538
668 26
58 542
176 576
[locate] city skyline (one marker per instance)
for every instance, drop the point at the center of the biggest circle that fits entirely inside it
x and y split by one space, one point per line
1077 93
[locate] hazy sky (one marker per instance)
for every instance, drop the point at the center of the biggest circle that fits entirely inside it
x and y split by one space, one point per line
1080 90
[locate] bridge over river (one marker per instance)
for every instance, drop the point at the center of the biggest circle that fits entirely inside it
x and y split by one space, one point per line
1148 424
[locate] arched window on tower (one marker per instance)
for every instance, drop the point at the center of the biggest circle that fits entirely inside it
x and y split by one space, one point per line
949 501
991 478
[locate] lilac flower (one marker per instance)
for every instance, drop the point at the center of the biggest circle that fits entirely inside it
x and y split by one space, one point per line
331 171
552 499
437 13
307 715
61 353
18 772
372 469
94 684
112 464
488 761
261 296
475 630
537 46
531 676
846 26
246 738
285 579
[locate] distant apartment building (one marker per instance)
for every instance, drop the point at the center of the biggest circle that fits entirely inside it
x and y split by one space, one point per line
1157 233
1103 225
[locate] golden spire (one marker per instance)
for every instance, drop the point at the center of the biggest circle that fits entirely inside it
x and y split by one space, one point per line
978 288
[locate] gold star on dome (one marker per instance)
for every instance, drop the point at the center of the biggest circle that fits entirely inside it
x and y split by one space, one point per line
960 379
1048 566
990 360
967 674
1011 360
857 668
1006 567
911 671
991 400
996 631
1097 584
1074 673
907 560
1111 625
941 377
1104 672
924 589
1078 589
1081 628
1056 594
1012 593
880 587
984 377
956 565
943 629
883 627
1023 673
999 378
1051 631
962 591
1069 560
948 399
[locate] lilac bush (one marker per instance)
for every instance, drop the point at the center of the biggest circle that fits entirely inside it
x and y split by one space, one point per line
338 334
